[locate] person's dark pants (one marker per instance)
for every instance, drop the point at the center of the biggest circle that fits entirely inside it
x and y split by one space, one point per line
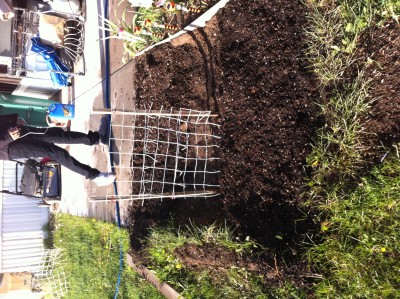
42 145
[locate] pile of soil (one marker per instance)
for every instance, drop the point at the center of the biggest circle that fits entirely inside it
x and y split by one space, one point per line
249 66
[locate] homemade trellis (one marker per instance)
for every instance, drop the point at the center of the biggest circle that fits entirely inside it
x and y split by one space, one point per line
50 277
163 154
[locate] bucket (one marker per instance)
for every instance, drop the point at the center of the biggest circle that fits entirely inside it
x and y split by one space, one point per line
61 111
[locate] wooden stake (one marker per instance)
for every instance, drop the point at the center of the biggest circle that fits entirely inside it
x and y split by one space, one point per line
161 286
154 196
153 113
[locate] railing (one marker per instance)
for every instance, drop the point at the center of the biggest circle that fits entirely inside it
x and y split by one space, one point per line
24 24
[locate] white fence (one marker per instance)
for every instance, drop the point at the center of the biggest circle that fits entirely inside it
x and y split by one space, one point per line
21 223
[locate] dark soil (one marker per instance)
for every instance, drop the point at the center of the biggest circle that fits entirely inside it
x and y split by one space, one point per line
180 152
381 45
212 256
248 65
217 260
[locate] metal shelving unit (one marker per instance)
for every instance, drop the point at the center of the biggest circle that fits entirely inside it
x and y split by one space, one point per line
24 25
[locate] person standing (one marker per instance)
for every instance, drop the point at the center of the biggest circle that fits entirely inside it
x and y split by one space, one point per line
18 141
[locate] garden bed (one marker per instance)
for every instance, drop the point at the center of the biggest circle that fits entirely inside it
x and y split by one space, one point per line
249 66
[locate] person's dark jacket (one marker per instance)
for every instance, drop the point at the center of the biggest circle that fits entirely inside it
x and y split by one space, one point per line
6 122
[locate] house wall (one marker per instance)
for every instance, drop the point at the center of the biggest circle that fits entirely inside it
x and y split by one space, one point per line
21 223
22 295
5 37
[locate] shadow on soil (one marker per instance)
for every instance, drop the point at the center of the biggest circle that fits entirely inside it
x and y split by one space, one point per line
279 227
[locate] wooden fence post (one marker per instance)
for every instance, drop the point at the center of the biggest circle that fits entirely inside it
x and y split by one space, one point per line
161 286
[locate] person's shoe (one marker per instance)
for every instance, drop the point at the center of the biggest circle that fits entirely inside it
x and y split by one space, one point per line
104 179
94 137
104 131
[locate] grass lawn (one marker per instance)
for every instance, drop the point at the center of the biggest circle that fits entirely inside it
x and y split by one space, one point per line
91 251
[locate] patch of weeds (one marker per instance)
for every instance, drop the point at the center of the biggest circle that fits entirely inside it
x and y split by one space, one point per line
387 9
334 29
242 284
359 257
48 229
324 30
161 245
337 152
221 235
287 291
205 282
358 246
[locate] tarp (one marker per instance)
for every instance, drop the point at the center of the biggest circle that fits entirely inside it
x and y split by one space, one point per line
53 61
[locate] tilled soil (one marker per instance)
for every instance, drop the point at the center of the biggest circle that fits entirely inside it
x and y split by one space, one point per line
248 65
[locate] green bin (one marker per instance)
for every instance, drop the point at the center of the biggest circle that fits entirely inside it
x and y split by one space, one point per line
32 110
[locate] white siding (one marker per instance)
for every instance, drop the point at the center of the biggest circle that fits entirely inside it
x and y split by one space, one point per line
21 223
21 295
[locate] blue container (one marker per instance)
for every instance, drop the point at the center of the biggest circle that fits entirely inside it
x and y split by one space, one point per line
61 111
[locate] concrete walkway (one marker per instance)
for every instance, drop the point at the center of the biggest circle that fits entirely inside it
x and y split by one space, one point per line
87 95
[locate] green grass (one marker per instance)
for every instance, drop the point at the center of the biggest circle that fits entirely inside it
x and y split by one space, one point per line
333 35
334 29
90 261
90 251
359 251
337 152
207 282
287 291
360 254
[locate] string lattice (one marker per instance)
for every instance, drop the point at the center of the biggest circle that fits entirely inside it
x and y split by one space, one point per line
50 277
165 154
